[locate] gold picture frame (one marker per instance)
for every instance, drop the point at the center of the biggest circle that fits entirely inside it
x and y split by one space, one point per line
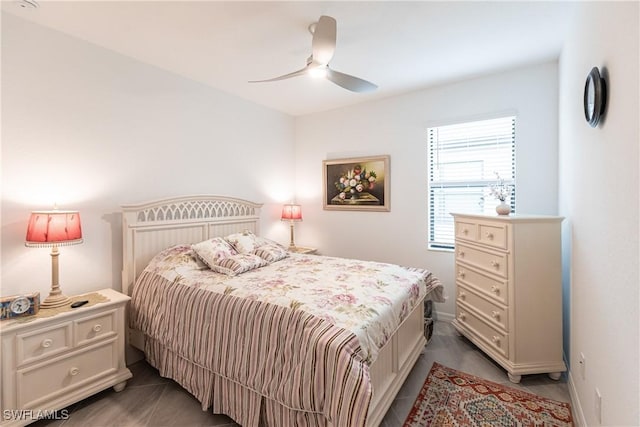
356 184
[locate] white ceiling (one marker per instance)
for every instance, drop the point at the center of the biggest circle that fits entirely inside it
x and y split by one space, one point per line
400 46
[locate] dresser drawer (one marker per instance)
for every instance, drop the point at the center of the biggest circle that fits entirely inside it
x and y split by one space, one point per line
45 381
497 290
496 340
491 262
494 314
94 328
46 342
466 231
493 235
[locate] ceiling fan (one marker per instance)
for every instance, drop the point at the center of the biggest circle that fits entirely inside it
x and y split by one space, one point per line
323 46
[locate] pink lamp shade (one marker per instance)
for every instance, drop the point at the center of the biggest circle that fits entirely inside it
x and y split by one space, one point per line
291 213
53 228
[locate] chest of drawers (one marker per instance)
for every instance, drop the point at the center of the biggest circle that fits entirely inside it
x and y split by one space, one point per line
509 290
51 362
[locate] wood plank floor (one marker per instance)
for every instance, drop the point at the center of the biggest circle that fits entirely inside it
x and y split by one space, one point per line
152 401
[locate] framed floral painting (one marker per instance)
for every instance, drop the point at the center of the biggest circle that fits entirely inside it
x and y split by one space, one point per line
360 184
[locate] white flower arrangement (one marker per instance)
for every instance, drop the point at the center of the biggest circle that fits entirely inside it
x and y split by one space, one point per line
500 190
355 181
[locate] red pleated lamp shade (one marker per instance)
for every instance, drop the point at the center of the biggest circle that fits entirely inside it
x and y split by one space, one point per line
51 228
291 213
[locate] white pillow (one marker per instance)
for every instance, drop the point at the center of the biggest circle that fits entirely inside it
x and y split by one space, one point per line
244 242
212 250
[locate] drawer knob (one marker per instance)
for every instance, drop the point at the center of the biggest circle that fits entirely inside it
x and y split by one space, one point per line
465 231
461 253
495 289
489 235
462 317
74 371
495 264
97 328
495 315
496 340
46 343
461 274
462 295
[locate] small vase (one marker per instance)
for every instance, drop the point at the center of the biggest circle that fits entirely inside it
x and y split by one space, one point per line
503 209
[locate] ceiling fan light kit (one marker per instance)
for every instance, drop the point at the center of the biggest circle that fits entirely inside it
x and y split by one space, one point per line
323 46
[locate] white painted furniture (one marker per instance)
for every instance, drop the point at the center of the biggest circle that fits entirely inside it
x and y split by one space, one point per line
303 250
509 290
153 226
48 363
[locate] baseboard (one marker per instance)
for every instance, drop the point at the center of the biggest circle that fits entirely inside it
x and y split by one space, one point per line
578 414
443 317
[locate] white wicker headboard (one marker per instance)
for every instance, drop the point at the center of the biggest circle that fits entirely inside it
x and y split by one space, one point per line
150 227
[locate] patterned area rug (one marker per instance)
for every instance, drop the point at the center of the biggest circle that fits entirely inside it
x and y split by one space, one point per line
454 398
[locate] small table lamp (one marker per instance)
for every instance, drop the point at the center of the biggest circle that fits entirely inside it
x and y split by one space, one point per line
291 213
52 229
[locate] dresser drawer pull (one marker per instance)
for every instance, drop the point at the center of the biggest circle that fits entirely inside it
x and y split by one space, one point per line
495 315
495 264
461 254
461 274
496 340
462 295
495 289
97 328
465 231
74 371
46 343
462 317
489 235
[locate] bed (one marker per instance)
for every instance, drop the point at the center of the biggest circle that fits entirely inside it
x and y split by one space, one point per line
276 357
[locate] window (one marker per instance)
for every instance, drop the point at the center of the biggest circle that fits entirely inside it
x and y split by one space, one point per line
464 159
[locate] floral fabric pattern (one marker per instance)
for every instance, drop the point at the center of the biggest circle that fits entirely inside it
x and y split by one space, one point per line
212 250
370 299
242 242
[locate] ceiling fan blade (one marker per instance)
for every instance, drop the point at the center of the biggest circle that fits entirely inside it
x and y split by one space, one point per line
286 76
351 83
323 44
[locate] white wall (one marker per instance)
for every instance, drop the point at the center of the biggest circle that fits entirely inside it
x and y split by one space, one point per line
599 196
92 130
397 126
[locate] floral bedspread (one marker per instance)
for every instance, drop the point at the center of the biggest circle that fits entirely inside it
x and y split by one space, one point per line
370 299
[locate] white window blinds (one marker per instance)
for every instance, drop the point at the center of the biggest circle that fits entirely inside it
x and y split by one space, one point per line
464 159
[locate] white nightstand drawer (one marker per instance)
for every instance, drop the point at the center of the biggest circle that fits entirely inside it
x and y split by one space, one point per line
46 342
43 382
94 328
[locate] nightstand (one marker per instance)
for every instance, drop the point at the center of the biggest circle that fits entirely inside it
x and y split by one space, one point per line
303 250
61 356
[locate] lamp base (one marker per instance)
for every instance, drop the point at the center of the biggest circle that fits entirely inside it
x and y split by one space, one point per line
53 301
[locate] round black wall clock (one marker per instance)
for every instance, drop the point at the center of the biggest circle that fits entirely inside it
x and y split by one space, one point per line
595 97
